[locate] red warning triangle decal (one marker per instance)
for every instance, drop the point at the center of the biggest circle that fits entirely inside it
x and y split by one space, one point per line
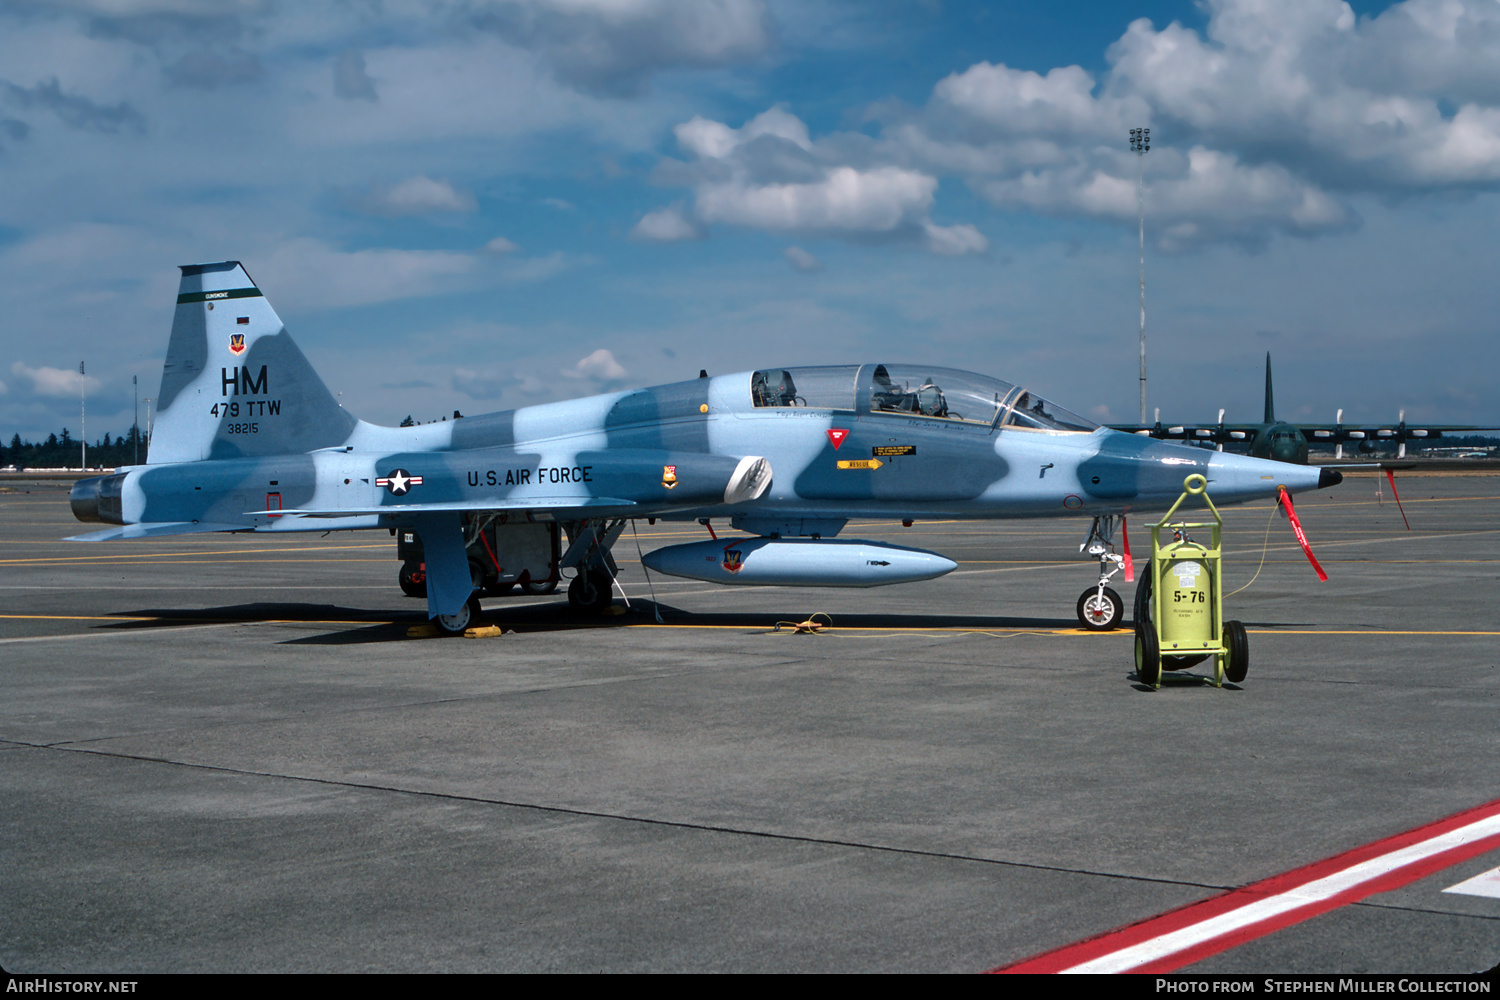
836 436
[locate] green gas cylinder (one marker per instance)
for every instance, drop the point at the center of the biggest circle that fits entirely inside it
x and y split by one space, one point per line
1186 601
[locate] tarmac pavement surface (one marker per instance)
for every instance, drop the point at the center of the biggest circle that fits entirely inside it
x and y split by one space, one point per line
223 753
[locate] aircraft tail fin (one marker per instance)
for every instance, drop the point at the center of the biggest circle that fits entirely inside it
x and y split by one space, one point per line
1270 404
234 384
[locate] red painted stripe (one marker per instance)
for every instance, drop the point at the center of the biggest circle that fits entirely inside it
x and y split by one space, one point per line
1194 913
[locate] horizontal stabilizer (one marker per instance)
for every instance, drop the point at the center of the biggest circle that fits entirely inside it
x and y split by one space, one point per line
153 530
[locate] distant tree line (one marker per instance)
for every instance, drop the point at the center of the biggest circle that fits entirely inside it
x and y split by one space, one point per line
63 451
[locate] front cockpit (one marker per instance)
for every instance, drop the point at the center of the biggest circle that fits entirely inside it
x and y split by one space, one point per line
912 391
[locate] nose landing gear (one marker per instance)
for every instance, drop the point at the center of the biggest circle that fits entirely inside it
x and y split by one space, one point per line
1099 607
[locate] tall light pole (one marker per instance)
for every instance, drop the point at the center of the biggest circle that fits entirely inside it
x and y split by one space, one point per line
135 431
1140 144
83 426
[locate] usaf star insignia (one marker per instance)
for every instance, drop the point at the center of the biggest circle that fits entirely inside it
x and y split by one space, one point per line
399 482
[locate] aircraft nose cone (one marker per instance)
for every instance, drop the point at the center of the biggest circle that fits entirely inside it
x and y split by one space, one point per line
1329 477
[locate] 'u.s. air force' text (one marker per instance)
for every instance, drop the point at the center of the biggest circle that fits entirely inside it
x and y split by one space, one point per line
523 477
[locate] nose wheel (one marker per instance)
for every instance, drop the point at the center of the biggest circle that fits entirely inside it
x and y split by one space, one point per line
1100 609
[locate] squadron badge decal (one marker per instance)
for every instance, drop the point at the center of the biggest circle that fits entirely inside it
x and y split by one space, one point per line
399 482
236 343
734 560
669 476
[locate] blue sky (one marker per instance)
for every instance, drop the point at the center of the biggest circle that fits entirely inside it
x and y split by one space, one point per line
480 204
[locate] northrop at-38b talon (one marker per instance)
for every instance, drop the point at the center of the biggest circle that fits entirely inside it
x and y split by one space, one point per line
248 438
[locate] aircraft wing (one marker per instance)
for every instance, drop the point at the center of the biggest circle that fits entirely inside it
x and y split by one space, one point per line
1339 433
556 507
1212 433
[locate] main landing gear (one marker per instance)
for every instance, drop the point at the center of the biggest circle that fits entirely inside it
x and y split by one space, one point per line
466 617
1099 607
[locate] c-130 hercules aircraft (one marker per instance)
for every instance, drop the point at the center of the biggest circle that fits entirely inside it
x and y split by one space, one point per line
248 438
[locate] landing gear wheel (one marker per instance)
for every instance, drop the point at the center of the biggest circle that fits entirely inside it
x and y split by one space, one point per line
1147 656
1100 612
1142 610
1237 663
413 580
466 618
540 586
592 591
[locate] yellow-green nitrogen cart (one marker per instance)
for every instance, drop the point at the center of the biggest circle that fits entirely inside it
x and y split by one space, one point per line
1179 606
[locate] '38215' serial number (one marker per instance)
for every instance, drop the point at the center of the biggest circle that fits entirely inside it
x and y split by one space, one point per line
250 428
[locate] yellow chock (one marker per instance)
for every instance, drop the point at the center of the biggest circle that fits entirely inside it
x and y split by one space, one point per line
614 609
421 631
483 632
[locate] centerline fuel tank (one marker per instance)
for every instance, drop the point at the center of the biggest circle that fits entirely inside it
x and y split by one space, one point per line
798 562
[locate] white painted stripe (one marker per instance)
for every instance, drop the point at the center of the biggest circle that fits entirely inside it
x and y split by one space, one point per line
1272 906
1483 884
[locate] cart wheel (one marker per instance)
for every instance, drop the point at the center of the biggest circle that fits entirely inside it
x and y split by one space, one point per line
1100 612
412 580
1147 656
540 586
455 624
1142 608
1237 664
498 589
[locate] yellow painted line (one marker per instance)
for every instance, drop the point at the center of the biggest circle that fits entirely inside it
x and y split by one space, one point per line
84 618
1318 631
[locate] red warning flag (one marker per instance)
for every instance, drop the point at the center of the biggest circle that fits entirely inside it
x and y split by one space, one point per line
1129 563
1392 477
1285 499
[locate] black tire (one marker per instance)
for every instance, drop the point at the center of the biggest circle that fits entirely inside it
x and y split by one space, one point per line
591 592
1147 656
1237 663
1100 612
1142 610
410 586
498 589
468 617
540 586
476 574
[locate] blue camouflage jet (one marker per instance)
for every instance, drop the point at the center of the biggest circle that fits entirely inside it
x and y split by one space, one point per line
248 438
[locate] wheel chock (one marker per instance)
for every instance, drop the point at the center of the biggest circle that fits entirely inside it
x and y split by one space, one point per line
483 632
421 632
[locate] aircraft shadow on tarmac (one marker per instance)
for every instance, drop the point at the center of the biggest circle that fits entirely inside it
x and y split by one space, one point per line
348 624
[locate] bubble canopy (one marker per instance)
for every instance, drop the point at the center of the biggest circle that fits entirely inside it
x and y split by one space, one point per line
913 391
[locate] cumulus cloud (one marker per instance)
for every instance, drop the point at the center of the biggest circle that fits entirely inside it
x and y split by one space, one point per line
1267 122
54 381
614 46
73 110
420 195
801 260
350 80
600 366
666 225
208 68
769 174
306 273
500 246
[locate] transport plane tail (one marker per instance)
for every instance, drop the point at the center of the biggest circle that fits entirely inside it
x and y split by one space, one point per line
234 384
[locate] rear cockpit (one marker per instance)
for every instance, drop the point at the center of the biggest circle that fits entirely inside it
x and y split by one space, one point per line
911 391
